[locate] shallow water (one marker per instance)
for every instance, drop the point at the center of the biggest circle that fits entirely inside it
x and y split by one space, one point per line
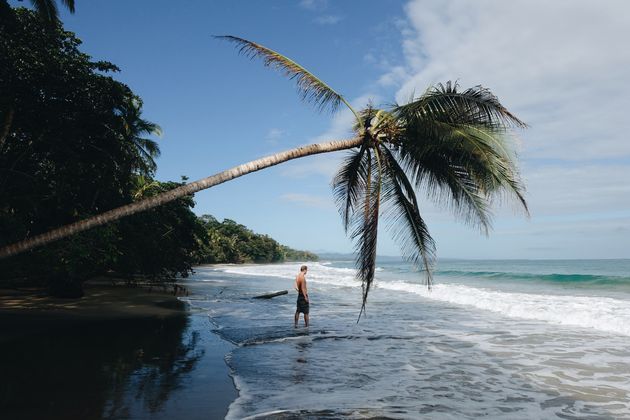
513 340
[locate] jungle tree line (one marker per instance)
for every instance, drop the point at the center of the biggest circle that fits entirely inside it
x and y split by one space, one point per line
231 242
73 143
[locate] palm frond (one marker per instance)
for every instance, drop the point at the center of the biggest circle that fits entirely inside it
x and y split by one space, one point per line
365 224
47 9
131 126
442 172
405 221
151 128
311 88
69 4
476 105
493 164
349 182
148 146
460 152
147 151
476 161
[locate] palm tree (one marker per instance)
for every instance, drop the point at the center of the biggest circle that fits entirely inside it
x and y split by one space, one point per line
131 127
452 144
48 10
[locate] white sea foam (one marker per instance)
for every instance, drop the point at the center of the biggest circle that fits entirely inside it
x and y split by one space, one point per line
600 313
318 273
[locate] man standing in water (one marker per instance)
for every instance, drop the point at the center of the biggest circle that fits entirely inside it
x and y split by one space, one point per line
302 300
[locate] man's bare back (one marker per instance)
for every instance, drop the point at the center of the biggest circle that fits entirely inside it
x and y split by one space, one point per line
300 283
303 303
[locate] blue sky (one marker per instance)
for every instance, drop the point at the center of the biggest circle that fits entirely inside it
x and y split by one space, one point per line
560 66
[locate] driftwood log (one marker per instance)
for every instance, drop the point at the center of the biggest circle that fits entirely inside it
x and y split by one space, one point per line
271 294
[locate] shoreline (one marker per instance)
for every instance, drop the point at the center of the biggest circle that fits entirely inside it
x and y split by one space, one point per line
30 319
24 312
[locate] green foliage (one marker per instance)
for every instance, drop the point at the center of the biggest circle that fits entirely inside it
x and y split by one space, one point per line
46 9
230 242
161 243
73 144
62 155
291 254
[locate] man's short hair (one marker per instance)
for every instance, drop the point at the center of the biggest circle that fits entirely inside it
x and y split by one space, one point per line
303 268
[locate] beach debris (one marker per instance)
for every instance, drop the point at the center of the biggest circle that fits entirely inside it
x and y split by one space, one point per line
271 294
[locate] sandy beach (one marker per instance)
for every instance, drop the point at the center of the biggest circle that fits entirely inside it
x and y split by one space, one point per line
22 311
116 352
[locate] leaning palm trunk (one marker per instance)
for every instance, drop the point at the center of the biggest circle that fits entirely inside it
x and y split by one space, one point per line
165 197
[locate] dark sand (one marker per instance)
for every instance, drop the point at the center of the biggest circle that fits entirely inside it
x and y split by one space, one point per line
117 352
28 311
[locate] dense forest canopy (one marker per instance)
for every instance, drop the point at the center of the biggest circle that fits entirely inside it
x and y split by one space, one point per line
73 143
230 242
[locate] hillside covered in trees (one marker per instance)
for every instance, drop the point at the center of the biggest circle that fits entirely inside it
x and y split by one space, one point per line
230 242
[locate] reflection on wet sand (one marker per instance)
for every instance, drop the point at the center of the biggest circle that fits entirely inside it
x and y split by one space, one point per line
101 371
300 367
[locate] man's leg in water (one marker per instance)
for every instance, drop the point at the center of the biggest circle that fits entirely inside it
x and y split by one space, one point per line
297 318
306 320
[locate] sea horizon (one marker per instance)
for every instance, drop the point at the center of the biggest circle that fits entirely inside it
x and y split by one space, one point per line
400 257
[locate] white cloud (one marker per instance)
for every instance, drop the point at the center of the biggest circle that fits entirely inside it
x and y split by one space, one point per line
322 165
578 189
395 76
581 228
328 20
309 200
274 134
561 66
318 6
314 4
558 66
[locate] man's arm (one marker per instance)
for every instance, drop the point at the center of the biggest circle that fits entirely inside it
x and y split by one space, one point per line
304 289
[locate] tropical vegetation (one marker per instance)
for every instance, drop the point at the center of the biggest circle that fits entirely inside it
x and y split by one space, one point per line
231 242
46 9
452 144
73 143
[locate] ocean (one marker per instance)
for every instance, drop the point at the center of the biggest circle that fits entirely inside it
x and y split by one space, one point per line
502 339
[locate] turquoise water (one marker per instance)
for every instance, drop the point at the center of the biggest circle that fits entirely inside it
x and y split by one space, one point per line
501 339
612 275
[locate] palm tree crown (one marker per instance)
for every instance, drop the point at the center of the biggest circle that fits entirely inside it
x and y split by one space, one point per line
452 144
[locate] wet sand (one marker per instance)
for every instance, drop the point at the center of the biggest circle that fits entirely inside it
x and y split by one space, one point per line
25 312
117 352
